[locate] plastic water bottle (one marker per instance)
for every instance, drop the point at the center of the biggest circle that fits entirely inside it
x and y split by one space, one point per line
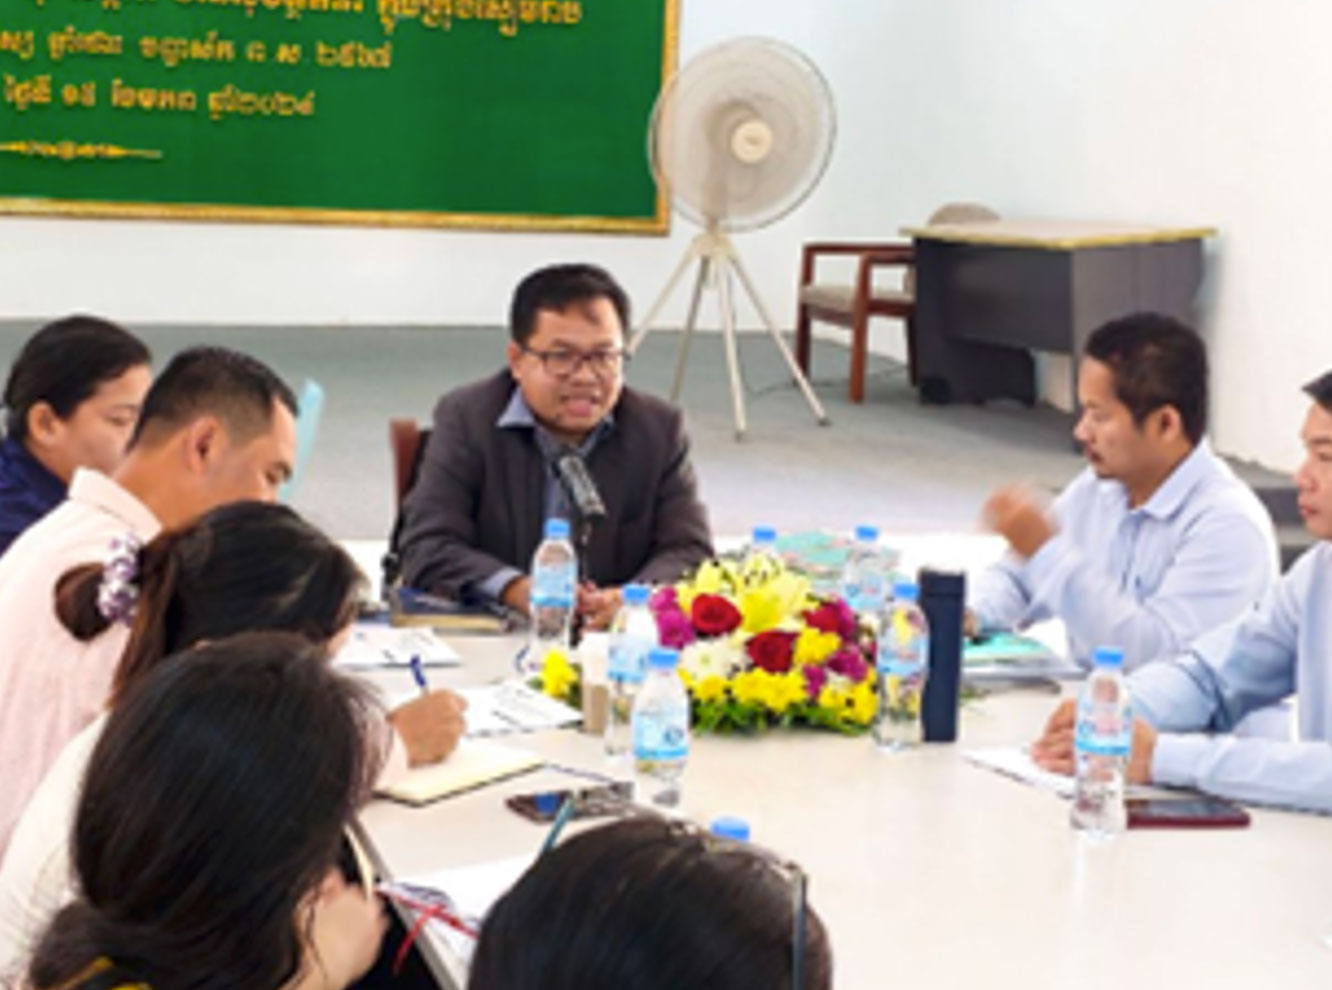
633 636
902 663
1103 736
761 558
554 577
730 827
865 575
661 731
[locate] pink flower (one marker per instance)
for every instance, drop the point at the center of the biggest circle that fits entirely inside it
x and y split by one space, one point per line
849 663
848 626
664 599
815 678
674 628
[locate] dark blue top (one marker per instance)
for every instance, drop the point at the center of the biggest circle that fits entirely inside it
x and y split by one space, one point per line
28 491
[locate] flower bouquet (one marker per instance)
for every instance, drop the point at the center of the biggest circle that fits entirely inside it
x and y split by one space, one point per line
757 649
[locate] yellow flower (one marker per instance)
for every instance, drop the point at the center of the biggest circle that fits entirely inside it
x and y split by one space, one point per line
864 703
815 646
712 578
834 700
761 610
557 675
781 691
748 688
711 688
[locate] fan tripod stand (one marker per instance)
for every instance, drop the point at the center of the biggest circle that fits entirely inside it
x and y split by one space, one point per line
717 258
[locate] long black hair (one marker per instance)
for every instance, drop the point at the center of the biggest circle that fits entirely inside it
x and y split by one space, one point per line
213 805
646 904
245 566
63 364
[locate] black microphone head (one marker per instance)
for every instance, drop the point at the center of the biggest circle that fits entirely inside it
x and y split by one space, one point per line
578 485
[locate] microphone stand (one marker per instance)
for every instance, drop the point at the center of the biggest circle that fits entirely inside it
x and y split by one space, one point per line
582 534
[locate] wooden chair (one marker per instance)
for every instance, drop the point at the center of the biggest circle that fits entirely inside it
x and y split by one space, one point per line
407 440
852 305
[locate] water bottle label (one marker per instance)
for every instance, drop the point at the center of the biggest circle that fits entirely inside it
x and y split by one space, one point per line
627 660
1093 741
553 587
893 661
660 739
896 667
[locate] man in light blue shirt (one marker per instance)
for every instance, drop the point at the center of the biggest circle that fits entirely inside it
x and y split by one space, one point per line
1156 541
1283 644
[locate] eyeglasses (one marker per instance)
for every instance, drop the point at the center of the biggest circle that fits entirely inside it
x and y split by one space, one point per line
789 871
794 877
564 362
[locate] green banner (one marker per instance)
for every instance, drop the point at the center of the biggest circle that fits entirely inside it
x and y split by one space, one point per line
485 113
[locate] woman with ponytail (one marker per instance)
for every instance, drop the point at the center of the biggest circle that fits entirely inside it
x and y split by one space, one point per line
205 864
247 566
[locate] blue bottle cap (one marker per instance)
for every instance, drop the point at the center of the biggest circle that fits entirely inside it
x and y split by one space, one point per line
661 658
547 803
867 534
765 534
730 827
905 591
557 529
634 594
1108 656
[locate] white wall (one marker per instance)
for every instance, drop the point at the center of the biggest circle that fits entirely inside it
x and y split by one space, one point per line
1190 111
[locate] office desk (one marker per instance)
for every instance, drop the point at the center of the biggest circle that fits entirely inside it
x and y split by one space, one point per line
931 872
988 293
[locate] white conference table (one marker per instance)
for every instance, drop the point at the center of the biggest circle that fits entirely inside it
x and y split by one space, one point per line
929 871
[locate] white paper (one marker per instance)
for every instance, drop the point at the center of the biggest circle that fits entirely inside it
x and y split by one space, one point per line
373 645
1016 762
496 709
473 889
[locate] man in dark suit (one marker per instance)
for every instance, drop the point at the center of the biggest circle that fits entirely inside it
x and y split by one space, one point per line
486 485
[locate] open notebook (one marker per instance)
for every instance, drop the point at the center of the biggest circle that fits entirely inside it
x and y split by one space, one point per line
475 763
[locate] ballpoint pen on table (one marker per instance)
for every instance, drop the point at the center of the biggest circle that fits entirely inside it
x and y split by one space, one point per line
561 819
418 673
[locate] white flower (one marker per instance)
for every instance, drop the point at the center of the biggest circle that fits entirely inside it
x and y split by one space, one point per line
719 657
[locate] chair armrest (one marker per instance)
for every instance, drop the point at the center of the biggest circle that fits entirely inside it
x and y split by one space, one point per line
903 256
884 252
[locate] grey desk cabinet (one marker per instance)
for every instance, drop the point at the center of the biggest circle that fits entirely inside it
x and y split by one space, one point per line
989 293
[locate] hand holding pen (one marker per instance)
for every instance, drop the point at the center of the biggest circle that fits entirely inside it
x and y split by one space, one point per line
430 725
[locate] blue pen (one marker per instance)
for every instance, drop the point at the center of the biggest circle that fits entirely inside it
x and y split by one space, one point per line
418 674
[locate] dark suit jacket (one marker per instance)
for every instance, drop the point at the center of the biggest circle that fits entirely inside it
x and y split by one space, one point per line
478 501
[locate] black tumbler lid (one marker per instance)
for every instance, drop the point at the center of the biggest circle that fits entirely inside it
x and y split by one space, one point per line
942 584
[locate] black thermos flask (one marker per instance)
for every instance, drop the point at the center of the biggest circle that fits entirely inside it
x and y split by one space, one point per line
942 598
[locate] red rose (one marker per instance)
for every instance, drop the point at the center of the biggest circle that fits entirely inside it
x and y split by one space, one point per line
824 618
713 615
771 651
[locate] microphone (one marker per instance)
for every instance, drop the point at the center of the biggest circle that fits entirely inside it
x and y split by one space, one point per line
579 488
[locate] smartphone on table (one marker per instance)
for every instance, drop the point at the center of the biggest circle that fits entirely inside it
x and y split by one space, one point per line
605 800
1186 812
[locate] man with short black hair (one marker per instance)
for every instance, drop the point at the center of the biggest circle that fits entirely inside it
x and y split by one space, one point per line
486 484
1282 645
1156 541
216 427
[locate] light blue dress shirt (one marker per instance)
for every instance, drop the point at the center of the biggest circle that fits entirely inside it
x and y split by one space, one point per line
518 415
1283 643
1148 580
